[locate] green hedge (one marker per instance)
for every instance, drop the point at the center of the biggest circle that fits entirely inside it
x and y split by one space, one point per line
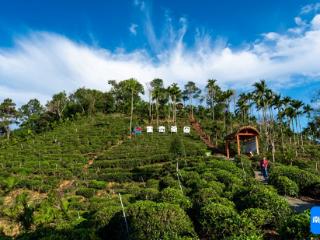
152 221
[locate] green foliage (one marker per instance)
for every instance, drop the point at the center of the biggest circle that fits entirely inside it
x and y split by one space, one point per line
85 192
297 227
220 222
149 220
8 115
97 184
148 194
302 178
260 196
174 196
260 217
284 185
177 147
168 181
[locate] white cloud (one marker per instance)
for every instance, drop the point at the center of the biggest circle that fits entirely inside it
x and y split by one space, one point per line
43 63
133 28
315 23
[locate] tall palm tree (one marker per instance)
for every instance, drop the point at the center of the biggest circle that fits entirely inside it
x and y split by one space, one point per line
158 91
297 105
226 98
243 106
291 115
260 97
175 94
212 89
263 97
307 109
278 104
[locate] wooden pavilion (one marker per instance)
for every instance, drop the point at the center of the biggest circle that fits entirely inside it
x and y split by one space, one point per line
243 134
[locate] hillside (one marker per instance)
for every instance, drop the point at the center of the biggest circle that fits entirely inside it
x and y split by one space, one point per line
65 184
73 170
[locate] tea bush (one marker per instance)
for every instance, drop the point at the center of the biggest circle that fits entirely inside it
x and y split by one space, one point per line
152 221
284 185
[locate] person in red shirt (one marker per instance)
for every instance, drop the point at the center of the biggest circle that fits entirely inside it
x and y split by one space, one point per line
264 167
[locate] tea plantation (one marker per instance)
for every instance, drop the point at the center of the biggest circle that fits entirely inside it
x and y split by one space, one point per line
67 183
74 169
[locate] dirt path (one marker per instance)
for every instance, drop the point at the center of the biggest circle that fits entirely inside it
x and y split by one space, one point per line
258 176
297 204
97 154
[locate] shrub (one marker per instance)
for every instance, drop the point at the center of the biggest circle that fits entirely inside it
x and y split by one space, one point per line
264 197
232 182
193 180
175 196
168 181
259 217
152 221
303 178
152 183
218 221
97 184
101 217
208 195
148 194
297 226
245 163
85 192
209 176
177 147
284 185
218 187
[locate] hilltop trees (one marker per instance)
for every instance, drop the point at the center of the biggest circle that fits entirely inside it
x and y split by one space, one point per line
133 86
277 117
58 104
191 91
89 101
175 95
158 93
212 90
8 115
30 113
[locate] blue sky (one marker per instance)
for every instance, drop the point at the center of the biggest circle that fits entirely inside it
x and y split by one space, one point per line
53 45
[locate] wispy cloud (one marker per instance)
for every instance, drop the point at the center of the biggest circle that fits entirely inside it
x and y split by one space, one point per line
43 63
310 8
133 28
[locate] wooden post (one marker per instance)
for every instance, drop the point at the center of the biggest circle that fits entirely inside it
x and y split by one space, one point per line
257 145
238 144
227 149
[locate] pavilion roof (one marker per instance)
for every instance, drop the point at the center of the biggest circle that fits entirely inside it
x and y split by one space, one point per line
243 131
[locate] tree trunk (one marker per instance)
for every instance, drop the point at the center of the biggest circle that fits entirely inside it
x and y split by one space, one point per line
174 109
8 132
212 108
131 115
157 110
301 136
190 97
150 107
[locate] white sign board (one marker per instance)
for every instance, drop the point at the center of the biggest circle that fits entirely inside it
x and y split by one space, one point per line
162 129
186 130
174 129
149 129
